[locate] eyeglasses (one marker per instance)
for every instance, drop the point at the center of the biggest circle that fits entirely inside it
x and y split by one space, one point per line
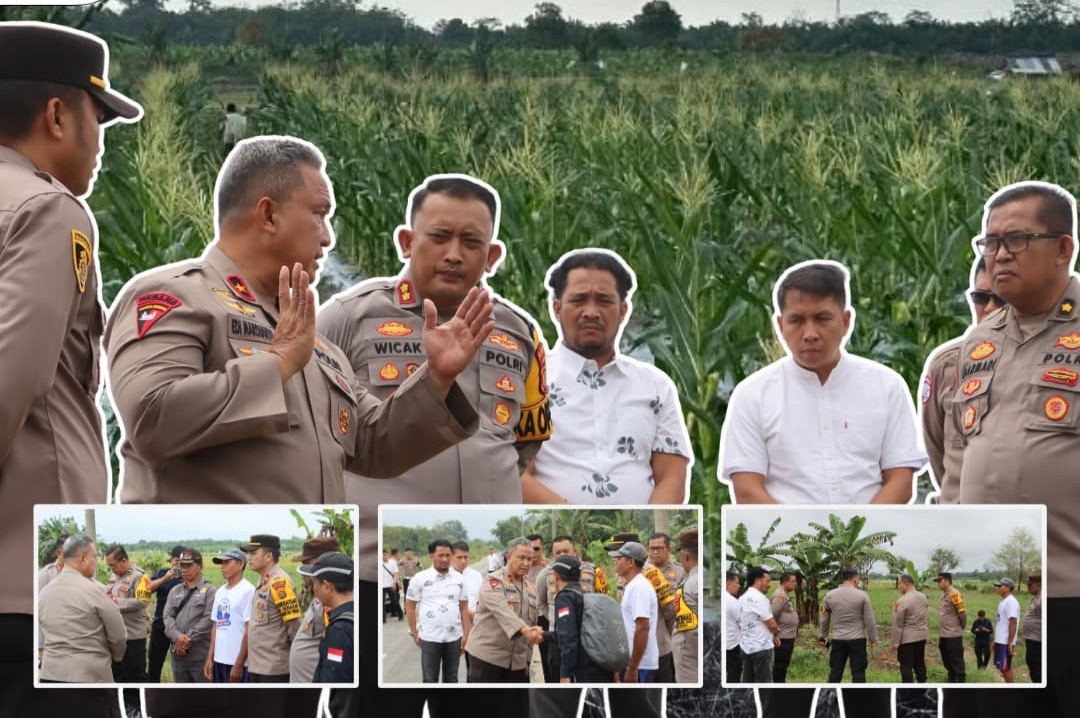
1015 242
982 297
657 548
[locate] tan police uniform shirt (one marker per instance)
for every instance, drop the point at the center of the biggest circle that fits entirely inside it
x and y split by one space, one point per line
304 650
953 618
275 620
1031 628
83 630
379 324
207 420
850 613
944 444
684 642
194 620
409 566
910 618
132 594
672 574
783 610
52 442
1018 405
506 606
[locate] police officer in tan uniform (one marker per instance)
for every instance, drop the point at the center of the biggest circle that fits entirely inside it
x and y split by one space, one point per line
1019 413
944 444
215 382
500 644
275 615
82 628
684 641
189 619
55 96
129 587
304 649
659 548
910 630
1031 629
787 619
951 625
850 615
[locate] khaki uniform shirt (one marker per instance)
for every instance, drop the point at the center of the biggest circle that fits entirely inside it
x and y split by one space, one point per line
1018 405
194 620
665 593
379 324
207 420
506 606
684 642
783 610
850 613
944 444
304 650
1031 630
52 442
275 620
132 594
409 566
909 624
83 630
953 614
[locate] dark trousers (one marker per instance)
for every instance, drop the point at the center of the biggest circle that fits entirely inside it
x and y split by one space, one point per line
782 659
156 652
982 652
1062 693
912 657
391 604
18 697
226 703
666 672
757 667
220 673
132 667
842 650
635 702
734 665
1033 658
269 677
481 671
952 657
435 654
798 702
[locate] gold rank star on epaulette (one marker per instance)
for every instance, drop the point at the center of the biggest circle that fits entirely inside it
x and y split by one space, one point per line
1066 309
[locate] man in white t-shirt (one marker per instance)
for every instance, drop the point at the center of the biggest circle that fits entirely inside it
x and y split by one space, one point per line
758 632
621 436
459 561
732 654
437 609
231 612
1008 619
640 611
389 582
494 560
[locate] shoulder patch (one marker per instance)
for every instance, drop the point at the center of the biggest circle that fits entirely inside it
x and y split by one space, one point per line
149 308
927 390
283 596
82 255
240 288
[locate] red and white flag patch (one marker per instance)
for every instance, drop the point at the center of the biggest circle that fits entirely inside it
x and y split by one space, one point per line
337 655
564 611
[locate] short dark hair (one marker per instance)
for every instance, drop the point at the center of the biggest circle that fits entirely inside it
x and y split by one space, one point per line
591 259
116 551
1055 210
980 266
58 544
662 535
437 543
460 546
393 552
982 613
458 188
754 573
341 584
535 537
907 578
175 551
786 575
263 167
275 552
231 107
23 100
732 576
563 537
410 549
821 279
847 574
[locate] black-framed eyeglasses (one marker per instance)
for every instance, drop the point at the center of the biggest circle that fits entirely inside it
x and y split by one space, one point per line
1014 242
982 297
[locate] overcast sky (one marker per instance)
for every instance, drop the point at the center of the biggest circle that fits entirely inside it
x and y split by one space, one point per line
974 533
693 12
175 523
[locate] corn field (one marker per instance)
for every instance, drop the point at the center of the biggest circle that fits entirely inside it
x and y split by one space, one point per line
709 182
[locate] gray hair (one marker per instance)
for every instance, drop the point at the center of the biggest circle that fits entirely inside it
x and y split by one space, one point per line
77 545
266 166
519 541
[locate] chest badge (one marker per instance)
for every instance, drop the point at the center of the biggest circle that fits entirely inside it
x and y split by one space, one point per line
970 415
502 413
240 288
982 350
505 384
389 372
1056 407
1069 341
502 340
343 421
394 329
1061 376
410 368
971 386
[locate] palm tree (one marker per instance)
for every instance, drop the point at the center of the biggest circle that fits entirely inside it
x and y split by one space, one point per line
845 546
742 555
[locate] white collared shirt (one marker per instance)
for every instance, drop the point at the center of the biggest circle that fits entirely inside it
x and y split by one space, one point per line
821 443
473 579
438 607
608 424
754 610
731 621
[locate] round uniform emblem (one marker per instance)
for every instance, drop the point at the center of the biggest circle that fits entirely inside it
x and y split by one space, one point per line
983 350
410 368
1056 407
502 413
972 386
343 421
389 372
969 417
927 388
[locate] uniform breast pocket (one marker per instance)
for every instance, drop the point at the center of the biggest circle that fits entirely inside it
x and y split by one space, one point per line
970 404
502 391
1051 401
